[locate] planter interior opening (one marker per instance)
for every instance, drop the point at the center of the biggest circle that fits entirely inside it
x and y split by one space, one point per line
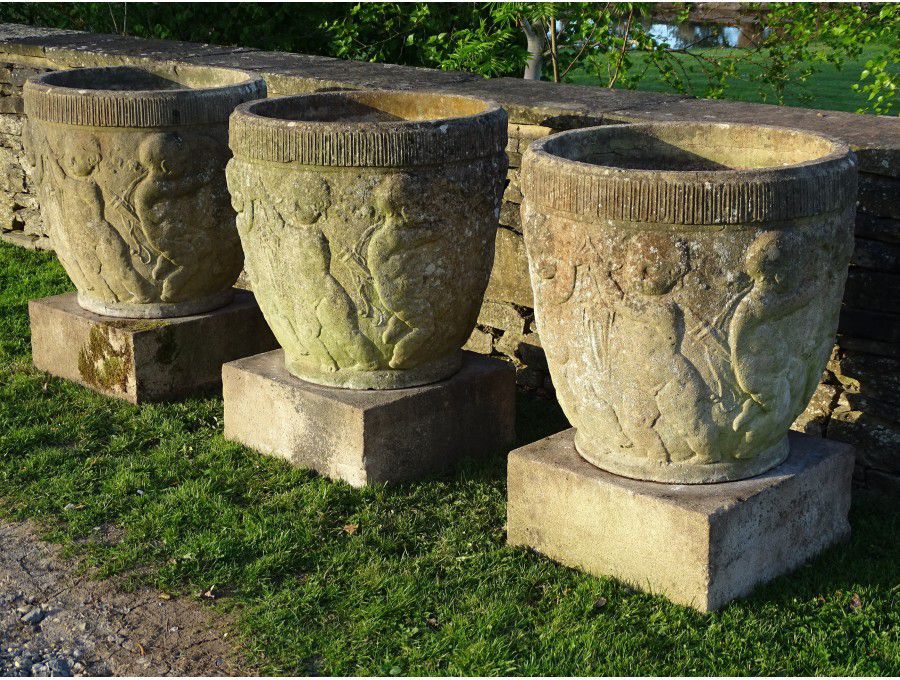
690 147
138 79
369 107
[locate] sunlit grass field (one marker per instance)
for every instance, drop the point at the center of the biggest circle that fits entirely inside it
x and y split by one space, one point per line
828 88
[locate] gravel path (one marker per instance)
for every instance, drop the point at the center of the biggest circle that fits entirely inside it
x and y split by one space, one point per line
55 623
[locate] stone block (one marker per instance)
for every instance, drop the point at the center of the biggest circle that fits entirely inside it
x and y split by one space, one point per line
875 291
884 482
699 545
870 325
876 347
510 216
872 376
877 255
879 195
501 315
877 228
509 277
142 360
877 441
815 417
370 436
11 104
480 342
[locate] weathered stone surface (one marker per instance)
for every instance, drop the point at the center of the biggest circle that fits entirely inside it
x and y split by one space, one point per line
872 290
879 195
876 440
877 228
509 277
501 315
524 349
884 482
814 418
680 352
130 165
870 325
875 377
11 104
367 221
370 436
877 255
884 349
699 545
480 342
510 216
142 360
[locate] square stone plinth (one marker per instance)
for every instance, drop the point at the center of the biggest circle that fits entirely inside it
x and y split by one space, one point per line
370 436
144 359
699 545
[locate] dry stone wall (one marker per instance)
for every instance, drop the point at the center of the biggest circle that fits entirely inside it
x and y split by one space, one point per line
858 400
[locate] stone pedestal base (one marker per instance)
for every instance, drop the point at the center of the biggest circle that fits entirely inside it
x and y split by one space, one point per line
699 545
370 436
144 359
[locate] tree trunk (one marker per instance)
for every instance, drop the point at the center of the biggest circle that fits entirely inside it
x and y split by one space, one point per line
536 45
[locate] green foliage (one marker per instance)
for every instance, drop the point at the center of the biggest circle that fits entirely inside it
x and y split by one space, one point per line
411 579
474 37
611 43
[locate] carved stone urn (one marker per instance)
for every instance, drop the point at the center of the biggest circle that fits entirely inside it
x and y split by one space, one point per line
687 281
368 223
130 168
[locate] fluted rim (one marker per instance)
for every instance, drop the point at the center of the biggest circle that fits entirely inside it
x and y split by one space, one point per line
77 96
451 128
817 185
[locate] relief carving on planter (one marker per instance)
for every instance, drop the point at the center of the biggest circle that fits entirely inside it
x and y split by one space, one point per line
130 169
687 315
368 237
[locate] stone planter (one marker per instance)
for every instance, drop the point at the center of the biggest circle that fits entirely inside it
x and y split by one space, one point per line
687 280
368 222
130 165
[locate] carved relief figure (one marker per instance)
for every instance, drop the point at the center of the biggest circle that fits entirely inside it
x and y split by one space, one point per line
369 270
682 351
137 205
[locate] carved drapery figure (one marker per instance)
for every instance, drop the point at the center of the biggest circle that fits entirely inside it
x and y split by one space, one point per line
130 165
368 222
687 282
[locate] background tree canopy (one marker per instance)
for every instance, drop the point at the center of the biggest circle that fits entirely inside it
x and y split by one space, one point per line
782 46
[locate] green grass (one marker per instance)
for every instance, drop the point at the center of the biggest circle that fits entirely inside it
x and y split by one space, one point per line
828 88
426 584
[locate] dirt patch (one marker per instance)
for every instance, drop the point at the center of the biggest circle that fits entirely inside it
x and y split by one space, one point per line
55 622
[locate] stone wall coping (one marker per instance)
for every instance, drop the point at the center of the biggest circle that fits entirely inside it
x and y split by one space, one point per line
69 97
690 197
875 139
269 130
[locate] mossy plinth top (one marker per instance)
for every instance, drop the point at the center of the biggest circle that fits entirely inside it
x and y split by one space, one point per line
689 173
368 129
687 281
140 96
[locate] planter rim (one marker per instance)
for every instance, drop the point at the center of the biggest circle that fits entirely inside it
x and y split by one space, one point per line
56 97
690 197
254 135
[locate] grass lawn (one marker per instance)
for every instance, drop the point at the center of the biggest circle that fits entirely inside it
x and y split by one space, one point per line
425 584
828 88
